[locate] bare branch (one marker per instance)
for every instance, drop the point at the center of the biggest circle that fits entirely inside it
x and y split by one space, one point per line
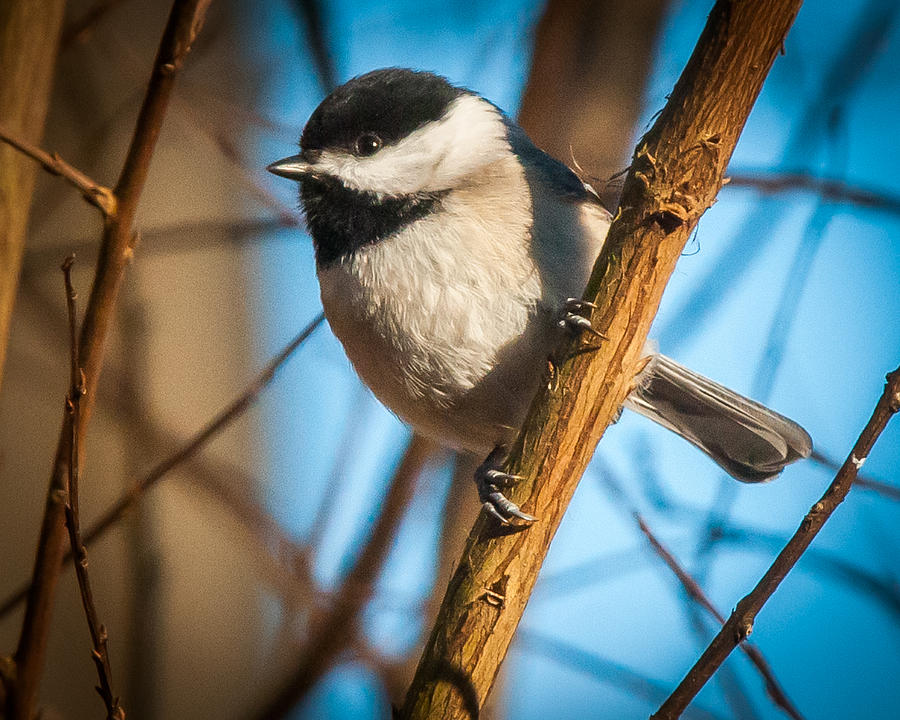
185 21
100 654
695 592
676 173
740 623
835 191
251 516
97 195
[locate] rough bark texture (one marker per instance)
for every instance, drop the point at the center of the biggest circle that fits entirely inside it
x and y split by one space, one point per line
29 36
586 85
677 170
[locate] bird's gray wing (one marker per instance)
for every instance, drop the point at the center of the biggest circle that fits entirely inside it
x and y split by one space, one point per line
570 224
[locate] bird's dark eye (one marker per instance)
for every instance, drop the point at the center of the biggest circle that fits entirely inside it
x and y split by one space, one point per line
368 144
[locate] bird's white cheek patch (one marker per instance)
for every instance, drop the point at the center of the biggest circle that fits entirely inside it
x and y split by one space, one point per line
433 158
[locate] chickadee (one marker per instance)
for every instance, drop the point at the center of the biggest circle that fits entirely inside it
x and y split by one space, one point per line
449 250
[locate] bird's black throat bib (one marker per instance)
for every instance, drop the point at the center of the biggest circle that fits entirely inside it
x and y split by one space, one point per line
341 220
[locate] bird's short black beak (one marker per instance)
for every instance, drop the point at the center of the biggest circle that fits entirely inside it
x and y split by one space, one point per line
295 167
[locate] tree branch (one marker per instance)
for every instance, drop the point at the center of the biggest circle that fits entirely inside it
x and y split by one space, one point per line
100 654
29 34
675 175
695 592
116 250
831 190
740 623
99 196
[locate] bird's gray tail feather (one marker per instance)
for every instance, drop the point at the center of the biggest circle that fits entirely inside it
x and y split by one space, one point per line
749 441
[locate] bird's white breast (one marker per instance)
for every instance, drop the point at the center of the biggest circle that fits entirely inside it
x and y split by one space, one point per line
450 321
427 314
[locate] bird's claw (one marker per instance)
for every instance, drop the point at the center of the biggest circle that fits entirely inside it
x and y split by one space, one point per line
489 479
571 320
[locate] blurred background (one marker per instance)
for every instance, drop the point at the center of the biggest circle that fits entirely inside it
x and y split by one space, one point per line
221 580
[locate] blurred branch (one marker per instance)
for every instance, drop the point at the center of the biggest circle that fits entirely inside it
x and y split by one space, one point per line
248 513
287 215
97 195
892 492
459 507
311 13
179 237
79 29
589 68
740 623
827 189
29 33
336 629
677 171
600 668
695 592
731 686
100 654
184 23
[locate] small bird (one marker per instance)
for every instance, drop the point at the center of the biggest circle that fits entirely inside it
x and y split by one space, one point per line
450 252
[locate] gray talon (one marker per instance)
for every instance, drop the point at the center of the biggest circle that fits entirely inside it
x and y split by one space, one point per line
571 320
576 304
500 478
493 512
489 479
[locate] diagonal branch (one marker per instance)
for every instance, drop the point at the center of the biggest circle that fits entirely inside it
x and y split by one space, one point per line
185 21
100 653
740 623
676 173
97 195
249 514
695 592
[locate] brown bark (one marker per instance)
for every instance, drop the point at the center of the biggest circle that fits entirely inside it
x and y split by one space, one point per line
116 251
676 172
29 37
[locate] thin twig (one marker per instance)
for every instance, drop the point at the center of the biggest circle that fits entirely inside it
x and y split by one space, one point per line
740 624
335 630
250 516
100 654
97 195
834 191
892 492
117 248
695 592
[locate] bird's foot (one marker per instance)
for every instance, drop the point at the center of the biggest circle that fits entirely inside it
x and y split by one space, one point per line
571 319
489 479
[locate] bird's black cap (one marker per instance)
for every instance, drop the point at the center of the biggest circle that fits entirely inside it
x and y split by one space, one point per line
390 103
